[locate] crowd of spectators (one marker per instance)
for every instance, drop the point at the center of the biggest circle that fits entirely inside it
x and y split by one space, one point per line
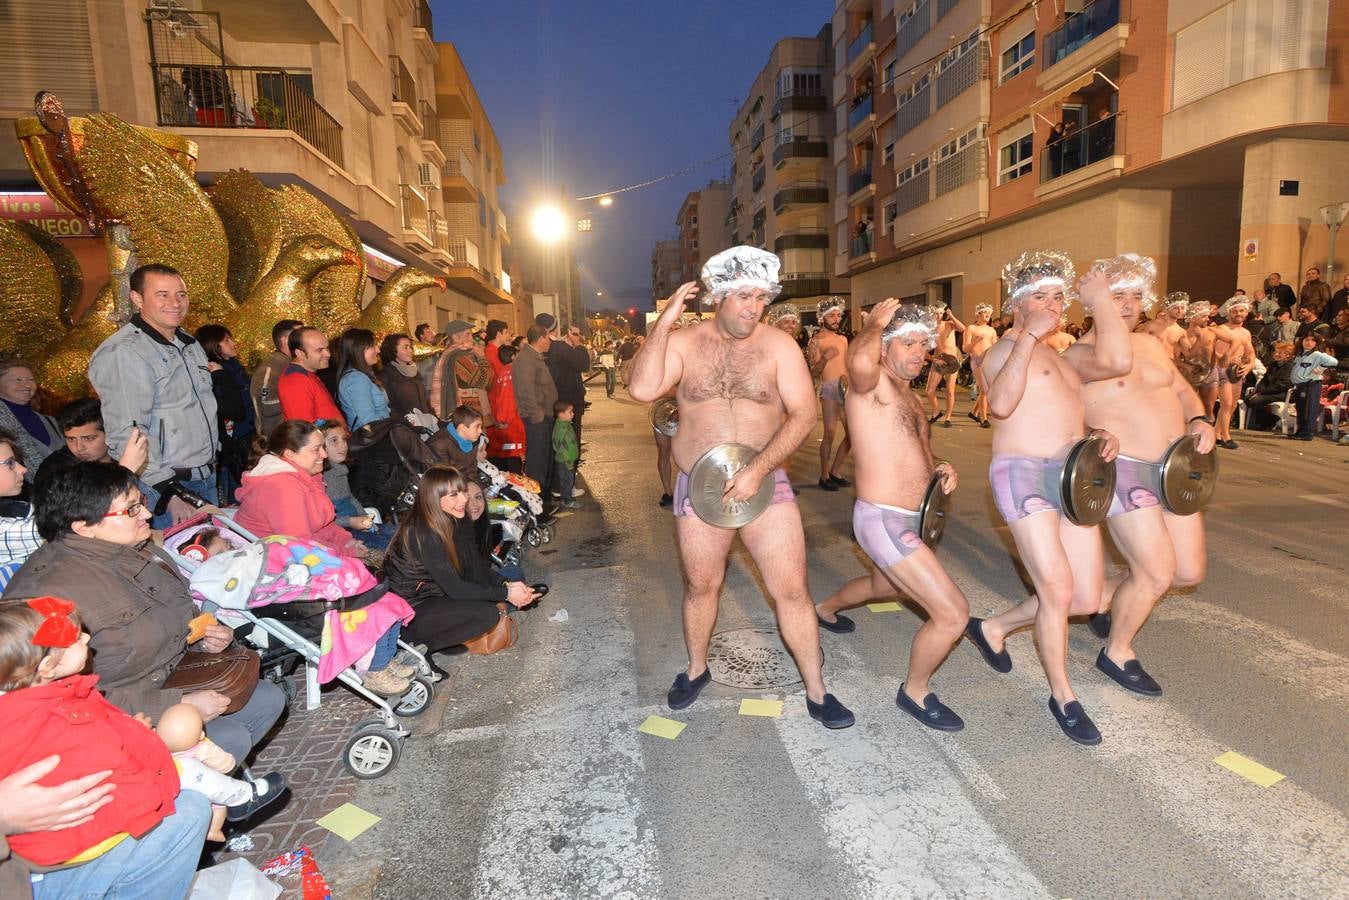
179 423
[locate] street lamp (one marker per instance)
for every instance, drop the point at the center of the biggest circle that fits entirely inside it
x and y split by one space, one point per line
606 201
548 224
1334 216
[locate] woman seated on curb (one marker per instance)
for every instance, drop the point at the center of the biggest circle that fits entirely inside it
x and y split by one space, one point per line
481 529
134 604
358 393
284 493
425 567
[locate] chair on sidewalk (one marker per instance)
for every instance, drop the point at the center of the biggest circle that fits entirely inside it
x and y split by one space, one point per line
1286 410
1336 412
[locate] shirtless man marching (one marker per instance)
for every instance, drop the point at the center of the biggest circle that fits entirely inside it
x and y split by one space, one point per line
1234 348
738 381
1035 396
894 466
947 327
1167 327
1195 352
1148 408
978 338
1060 340
827 354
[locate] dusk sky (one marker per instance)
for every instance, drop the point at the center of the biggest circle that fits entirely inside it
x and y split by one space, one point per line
598 95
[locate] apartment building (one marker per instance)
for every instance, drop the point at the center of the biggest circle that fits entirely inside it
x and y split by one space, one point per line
780 178
667 268
1206 134
703 229
339 96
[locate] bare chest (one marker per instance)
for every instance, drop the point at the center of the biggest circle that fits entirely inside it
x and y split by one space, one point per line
719 370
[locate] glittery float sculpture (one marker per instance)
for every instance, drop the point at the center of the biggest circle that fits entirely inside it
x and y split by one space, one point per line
283 291
37 275
388 312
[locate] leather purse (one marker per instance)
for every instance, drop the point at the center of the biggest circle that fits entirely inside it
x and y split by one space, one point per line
501 637
233 672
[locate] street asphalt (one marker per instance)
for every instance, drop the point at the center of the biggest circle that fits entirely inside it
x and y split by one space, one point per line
530 779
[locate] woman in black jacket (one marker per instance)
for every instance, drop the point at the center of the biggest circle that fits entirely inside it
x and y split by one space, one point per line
234 405
455 600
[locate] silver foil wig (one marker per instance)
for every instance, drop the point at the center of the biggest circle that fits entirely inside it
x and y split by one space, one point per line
1035 270
782 312
912 319
1131 272
829 304
1176 303
741 267
1198 308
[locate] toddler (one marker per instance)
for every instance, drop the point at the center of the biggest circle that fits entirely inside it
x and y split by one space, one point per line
565 452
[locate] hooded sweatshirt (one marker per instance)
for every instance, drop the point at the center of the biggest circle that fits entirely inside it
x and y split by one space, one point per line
278 497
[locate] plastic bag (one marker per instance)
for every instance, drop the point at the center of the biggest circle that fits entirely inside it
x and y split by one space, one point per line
237 879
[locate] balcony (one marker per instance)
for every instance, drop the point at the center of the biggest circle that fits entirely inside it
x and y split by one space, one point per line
961 75
799 102
1086 40
861 114
253 97
915 112
756 139
431 148
756 182
439 231
415 226
423 35
464 252
862 245
861 48
458 179
800 149
468 276
501 229
912 29
404 96
800 193
861 186
913 193
1095 153
802 239
803 284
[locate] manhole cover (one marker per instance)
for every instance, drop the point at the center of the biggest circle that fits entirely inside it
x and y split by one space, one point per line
751 658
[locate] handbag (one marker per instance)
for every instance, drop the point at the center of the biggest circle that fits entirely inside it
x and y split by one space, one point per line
233 672
501 637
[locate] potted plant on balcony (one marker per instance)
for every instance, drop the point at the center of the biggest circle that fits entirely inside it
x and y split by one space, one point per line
269 113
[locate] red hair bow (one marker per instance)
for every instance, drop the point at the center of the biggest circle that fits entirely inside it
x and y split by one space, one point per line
56 630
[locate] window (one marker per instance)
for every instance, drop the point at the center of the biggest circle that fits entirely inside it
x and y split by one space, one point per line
951 148
888 71
1014 157
908 93
799 82
918 168
908 13
956 53
1018 57
888 218
888 138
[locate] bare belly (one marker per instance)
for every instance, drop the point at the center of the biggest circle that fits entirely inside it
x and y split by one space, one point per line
1145 421
711 422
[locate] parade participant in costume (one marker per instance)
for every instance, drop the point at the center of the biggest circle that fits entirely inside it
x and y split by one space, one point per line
827 353
1035 396
1236 357
784 316
947 327
1060 340
1149 408
978 338
894 467
1195 352
1168 327
738 382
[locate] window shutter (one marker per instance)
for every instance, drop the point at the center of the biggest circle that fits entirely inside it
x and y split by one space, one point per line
47 49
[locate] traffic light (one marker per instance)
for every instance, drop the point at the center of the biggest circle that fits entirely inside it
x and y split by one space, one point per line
632 311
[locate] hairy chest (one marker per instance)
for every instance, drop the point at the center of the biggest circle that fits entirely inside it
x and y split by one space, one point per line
719 370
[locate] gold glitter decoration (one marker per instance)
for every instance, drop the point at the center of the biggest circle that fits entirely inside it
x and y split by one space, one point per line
63 371
388 312
171 219
67 270
283 291
260 220
30 291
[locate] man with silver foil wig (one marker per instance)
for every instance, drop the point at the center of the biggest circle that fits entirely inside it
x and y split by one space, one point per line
979 336
1149 408
1234 350
827 354
738 382
1169 325
947 326
1034 395
785 317
894 466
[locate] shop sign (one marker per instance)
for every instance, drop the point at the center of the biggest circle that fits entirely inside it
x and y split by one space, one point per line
41 210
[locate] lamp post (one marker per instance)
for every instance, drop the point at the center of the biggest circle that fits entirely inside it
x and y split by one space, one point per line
1334 216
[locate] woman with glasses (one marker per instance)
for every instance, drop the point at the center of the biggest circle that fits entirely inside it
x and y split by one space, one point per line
18 529
132 600
37 434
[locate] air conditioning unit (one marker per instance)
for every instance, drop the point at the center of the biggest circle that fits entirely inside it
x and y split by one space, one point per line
427 175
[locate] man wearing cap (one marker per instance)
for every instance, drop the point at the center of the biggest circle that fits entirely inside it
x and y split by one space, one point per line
827 354
947 326
1034 394
894 466
978 338
444 377
1236 357
1149 408
738 382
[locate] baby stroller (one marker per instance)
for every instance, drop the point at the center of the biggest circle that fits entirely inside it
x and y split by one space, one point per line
387 461
514 507
303 604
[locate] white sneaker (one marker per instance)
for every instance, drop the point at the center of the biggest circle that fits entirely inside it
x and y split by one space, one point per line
577 492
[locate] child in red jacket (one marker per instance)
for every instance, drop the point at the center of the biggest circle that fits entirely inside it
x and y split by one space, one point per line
505 438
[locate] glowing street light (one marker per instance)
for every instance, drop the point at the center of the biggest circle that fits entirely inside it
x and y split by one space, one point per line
606 201
548 224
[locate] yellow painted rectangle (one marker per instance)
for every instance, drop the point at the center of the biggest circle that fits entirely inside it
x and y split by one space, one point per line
1249 769
348 821
770 708
661 727
887 606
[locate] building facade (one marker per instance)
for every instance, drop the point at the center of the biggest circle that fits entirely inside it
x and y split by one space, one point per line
667 268
702 227
1205 134
780 139
339 96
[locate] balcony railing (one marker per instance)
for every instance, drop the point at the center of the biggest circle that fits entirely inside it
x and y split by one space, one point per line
1100 140
194 96
430 124
859 43
858 114
404 85
801 192
438 230
915 112
799 148
756 182
424 17
859 180
804 284
414 208
465 252
862 243
802 239
800 101
962 167
1094 20
756 138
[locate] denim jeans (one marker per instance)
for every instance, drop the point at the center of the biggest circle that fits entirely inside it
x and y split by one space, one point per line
610 376
566 480
238 733
386 648
160 863
205 488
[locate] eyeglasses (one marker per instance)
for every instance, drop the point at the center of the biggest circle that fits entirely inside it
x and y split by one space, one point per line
131 511
9 463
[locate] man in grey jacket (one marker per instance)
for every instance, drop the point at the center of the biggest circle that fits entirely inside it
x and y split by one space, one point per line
153 375
535 394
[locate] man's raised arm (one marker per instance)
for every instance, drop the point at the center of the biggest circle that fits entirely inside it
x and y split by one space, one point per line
864 354
1112 354
655 370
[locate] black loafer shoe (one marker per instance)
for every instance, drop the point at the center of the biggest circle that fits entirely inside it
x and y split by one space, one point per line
840 481
1002 661
1099 623
1130 675
841 624
827 485
933 713
266 791
934 418
684 691
1075 722
830 713
970 415
985 424
665 501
